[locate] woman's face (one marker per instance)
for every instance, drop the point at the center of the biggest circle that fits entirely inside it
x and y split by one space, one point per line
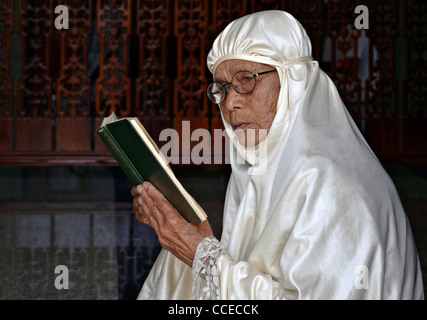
250 115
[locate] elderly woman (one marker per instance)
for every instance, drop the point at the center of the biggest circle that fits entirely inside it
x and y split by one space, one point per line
310 213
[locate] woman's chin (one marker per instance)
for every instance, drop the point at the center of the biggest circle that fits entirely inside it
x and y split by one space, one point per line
250 137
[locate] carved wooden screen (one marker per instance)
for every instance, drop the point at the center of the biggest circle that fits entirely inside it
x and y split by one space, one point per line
146 58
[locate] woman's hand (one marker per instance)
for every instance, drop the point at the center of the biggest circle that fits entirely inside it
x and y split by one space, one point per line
175 234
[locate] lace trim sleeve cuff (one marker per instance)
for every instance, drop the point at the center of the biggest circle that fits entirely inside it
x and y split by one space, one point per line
205 276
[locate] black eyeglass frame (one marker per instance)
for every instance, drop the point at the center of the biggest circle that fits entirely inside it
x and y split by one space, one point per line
226 89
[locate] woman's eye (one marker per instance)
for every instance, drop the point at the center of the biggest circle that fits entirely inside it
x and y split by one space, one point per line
245 79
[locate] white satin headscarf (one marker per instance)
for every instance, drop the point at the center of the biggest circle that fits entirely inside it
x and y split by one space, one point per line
312 215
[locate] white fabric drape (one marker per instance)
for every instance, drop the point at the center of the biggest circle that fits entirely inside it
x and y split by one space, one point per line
312 215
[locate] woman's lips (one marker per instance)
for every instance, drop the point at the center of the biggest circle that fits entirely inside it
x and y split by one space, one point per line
240 126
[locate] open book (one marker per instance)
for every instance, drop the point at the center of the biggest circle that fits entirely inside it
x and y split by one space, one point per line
141 160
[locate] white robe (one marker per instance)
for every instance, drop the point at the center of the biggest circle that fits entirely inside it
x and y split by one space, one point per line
313 215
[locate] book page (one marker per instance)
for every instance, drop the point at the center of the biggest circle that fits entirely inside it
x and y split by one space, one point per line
110 119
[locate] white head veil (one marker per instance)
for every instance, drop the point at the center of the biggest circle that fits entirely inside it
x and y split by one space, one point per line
285 46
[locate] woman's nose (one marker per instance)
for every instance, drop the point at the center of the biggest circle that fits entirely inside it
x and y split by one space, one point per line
232 99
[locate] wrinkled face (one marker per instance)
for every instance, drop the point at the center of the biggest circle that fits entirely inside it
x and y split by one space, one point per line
250 115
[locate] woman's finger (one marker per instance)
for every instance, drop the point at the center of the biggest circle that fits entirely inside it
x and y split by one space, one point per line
153 216
160 202
136 190
136 201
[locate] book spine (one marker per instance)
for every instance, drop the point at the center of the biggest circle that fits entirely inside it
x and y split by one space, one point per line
120 156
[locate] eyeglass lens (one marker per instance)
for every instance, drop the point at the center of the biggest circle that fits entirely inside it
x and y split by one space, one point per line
243 82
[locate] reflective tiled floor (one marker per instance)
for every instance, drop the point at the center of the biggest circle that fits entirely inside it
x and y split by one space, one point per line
81 218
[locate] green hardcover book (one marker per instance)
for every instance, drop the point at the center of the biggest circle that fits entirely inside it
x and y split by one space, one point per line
141 160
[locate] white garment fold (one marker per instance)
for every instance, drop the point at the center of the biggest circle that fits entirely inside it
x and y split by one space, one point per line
314 216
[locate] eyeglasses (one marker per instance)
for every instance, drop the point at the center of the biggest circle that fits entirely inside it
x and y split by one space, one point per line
243 82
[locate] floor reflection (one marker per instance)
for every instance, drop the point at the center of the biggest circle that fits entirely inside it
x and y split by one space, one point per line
36 238
81 218
137 249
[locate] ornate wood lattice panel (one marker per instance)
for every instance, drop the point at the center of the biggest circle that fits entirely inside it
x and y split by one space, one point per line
6 84
414 113
146 58
73 97
34 108
153 82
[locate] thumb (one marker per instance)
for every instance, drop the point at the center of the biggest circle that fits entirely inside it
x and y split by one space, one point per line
205 229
